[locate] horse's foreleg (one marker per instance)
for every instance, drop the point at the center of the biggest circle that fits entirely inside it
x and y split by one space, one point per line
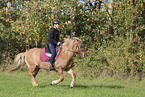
71 72
61 78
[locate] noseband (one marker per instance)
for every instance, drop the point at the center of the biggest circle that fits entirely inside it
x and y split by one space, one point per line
76 49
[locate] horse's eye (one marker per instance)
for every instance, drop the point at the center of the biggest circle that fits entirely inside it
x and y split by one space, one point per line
81 46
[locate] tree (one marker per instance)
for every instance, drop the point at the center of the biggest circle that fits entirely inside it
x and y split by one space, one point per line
111 31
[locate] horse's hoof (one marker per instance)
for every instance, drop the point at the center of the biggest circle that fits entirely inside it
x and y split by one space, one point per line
51 83
71 86
36 85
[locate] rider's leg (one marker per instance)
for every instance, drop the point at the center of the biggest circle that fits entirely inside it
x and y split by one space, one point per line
52 49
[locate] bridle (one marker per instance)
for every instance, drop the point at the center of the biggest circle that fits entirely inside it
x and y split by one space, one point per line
78 52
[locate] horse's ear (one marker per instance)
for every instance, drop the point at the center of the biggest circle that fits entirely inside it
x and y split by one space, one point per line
68 36
77 39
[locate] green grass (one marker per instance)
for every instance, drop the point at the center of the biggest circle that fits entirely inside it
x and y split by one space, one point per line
18 84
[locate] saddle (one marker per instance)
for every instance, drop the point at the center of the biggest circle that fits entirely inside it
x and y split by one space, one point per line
46 54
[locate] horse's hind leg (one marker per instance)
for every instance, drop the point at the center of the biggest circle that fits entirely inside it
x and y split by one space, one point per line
36 71
32 73
71 72
34 81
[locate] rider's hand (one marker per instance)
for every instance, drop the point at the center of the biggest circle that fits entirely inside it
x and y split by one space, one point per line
58 43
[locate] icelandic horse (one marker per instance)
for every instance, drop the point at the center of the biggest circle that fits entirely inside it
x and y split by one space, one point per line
63 62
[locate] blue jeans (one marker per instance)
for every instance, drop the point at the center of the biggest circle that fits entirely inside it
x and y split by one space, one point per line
52 48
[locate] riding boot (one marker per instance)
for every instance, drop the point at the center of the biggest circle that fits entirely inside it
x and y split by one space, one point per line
52 67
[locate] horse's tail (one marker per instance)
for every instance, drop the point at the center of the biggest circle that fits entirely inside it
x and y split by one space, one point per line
19 60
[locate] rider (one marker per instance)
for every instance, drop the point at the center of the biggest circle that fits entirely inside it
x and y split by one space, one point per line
53 40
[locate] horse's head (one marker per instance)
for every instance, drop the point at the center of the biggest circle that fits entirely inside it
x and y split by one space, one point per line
79 47
74 45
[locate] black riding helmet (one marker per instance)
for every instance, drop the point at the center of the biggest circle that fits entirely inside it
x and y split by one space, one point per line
55 22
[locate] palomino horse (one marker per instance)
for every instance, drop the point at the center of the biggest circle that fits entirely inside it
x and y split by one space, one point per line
63 62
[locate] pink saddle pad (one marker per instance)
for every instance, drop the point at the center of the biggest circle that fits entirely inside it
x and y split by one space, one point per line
43 57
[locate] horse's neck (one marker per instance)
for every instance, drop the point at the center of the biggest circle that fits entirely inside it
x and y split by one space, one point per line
70 54
67 54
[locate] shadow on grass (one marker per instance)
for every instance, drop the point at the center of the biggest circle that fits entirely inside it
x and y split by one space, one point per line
87 86
43 86
99 86
110 86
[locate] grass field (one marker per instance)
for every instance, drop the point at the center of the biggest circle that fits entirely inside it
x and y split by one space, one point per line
18 84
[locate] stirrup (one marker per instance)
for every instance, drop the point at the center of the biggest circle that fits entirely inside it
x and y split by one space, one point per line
51 68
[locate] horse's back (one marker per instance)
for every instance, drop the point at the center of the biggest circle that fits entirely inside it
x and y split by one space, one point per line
33 56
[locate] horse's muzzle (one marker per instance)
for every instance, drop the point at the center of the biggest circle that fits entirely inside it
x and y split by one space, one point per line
83 56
